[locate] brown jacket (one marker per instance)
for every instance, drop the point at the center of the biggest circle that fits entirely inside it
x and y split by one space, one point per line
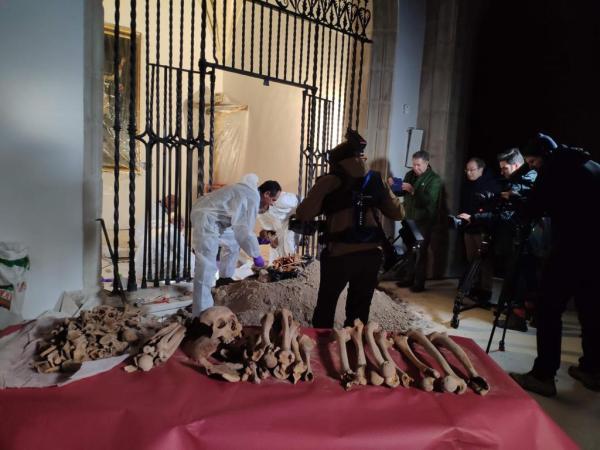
312 206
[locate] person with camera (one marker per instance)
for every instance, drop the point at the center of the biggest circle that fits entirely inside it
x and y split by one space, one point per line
567 184
351 200
478 183
518 182
421 189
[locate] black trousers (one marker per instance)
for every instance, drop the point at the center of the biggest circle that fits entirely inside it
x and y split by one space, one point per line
418 274
359 270
566 276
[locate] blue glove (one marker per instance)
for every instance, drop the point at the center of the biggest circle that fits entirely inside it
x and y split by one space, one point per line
262 240
259 261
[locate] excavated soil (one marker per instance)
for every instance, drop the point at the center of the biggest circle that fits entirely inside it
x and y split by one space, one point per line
251 299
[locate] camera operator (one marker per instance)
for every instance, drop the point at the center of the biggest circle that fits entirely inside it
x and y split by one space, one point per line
567 184
351 199
519 180
478 182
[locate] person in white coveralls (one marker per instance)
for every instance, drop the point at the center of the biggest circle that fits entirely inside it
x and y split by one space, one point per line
227 217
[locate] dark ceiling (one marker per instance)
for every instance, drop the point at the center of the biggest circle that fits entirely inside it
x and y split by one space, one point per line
536 68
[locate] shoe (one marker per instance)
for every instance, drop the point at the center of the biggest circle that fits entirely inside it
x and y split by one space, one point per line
590 380
515 323
224 282
529 382
417 288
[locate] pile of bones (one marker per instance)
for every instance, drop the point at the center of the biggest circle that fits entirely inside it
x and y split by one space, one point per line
385 371
226 351
101 332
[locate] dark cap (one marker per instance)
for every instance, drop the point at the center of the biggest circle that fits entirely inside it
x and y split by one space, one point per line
353 146
540 145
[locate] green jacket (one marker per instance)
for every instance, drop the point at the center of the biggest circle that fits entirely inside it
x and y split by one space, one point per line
423 205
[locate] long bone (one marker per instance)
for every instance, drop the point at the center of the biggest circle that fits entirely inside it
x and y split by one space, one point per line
451 382
476 382
384 344
306 347
356 334
286 357
428 374
265 351
299 367
347 375
387 371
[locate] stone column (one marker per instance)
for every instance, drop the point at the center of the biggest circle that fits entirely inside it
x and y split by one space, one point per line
443 108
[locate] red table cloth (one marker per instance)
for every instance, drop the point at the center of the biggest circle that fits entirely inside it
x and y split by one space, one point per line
177 407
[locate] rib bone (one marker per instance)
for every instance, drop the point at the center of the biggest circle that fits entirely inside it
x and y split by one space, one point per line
451 382
476 382
428 374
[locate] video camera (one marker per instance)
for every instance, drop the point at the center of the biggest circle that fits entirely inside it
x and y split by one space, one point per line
491 208
306 228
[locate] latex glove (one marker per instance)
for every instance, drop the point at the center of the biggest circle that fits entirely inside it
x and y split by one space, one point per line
259 261
263 240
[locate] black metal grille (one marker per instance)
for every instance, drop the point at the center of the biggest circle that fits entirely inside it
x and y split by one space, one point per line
313 45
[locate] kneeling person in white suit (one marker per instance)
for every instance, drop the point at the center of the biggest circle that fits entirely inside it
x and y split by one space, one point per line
235 207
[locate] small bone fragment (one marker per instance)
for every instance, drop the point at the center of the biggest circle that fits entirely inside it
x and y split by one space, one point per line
386 370
476 382
347 375
356 334
306 346
145 362
428 374
384 344
130 368
227 371
451 382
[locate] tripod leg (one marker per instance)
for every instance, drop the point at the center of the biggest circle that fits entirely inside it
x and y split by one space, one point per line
464 287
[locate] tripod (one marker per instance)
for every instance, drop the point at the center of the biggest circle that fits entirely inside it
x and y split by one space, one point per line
466 283
510 290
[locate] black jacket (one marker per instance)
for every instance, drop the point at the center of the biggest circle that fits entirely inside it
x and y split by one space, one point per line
469 201
568 191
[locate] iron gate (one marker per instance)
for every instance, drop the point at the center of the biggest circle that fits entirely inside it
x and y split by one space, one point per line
314 45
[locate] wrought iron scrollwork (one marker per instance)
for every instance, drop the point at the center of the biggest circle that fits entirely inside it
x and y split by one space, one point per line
343 15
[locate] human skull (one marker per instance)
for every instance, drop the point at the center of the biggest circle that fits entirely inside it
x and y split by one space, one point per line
222 322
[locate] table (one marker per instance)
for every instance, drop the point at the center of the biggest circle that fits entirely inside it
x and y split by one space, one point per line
176 407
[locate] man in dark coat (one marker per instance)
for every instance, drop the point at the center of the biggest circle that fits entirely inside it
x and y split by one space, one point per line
567 189
478 181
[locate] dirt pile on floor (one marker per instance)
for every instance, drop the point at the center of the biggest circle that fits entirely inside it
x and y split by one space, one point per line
250 300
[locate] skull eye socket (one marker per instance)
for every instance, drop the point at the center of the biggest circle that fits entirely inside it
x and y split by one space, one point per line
221 324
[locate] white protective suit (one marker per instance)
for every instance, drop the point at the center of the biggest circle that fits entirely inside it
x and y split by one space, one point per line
277 219
235 207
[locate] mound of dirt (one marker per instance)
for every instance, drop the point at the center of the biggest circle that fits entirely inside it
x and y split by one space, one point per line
251 299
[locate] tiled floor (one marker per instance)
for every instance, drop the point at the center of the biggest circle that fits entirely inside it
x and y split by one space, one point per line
575 409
